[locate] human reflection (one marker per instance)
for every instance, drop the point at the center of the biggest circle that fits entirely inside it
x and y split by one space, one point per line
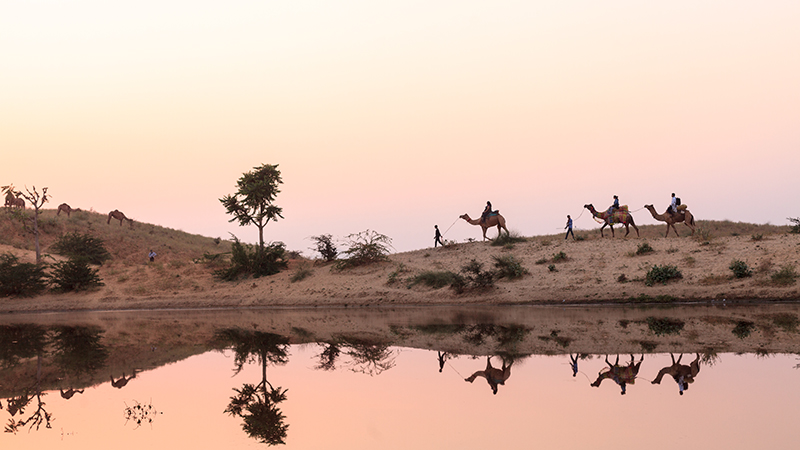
573 362
257 405
681 373
494 376
622 375
122 382
443 357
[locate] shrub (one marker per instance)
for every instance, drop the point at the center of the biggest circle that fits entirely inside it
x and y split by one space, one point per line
472 276
757 237
662 274
663 326
644 248
74 274
559 257
301 274
796 227
20 279
507 240
740 269
508 267
76 245
743 329
786 321
323 244
250 260
552 268
785 276
366 247
434 279
541 261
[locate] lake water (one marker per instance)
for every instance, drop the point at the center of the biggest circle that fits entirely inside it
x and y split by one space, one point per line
395 379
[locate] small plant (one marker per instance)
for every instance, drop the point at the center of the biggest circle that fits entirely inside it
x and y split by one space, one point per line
508 267
552 268
74 274
366 247
394 277
253 260
76 245
703 235
622 278
644 248
740 269
20 279
433 279
786 321
323 244
662 274
303 272
796 227
580 237
757 237
541 261
472 276
507 240
785 276
559 257
743 329
664 325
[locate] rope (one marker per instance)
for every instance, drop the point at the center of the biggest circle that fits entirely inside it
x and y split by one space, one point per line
451 226
451 366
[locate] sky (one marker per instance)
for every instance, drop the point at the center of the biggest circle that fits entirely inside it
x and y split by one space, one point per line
397 116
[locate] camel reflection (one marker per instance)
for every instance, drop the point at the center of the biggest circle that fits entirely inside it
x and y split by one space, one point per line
122 382
69 393
681 373
494 376
622 375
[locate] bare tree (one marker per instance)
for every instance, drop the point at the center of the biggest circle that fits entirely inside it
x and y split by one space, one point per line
37 200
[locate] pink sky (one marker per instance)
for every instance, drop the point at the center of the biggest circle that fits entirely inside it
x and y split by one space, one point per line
395 116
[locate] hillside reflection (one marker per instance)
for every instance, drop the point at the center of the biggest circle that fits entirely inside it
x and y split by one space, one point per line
75 357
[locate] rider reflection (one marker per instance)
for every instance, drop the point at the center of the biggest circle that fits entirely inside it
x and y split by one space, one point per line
681 373
621 375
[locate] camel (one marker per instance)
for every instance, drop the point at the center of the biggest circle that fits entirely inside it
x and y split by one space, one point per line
118 215
64 207
493 220
493 375
621 215
621 375
683 215
70 392
13 201
119 384
681 373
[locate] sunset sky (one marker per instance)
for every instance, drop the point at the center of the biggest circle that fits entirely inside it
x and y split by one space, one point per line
395 116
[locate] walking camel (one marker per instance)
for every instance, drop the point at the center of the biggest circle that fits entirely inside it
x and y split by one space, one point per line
621 375
491 221
118 215
671 219
620 215
493 375
64 207
681 373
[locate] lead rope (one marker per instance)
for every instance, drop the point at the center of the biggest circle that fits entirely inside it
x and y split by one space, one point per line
451 226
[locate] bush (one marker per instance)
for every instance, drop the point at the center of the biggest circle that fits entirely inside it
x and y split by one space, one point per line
796 227
559 257
433 279
74 275
743 329
663 326
323 244
301 274
250 260
366 247
662 274
473 277
20 279
740 269
76 245
507 240
508 267
644 248
785 276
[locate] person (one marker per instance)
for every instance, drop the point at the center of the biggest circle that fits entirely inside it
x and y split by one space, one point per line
613 207
486 211
152 256
437 238
673 206
569 228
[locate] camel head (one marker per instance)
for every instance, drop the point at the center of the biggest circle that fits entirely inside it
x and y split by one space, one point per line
650 207
465 217
590 207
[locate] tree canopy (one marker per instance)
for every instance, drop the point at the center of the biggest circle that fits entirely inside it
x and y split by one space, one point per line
252 204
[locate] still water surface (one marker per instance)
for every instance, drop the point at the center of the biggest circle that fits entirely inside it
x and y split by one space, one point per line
356 394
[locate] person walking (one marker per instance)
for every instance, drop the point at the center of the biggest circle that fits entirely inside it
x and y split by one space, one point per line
569 228
437 238
152 256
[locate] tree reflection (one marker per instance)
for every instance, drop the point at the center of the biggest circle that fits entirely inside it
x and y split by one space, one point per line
77 350
18 343
257 405
369 357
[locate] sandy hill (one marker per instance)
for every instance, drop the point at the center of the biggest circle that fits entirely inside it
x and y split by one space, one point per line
591 269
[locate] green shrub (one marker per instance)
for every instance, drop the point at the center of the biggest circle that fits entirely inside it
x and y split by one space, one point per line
740 269
508 267
323 244
366 247
74 274
507 240
644 248
743 329
76 245
552 268
664 325
786 321
301 274
785 276
662 274
541 261
433 279
559 257
796 227
473 277
20 279
757 237
250 260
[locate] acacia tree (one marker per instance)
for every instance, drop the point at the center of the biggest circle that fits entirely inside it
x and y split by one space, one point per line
252 204
37 200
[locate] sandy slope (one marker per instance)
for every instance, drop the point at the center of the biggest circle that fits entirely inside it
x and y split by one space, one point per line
591 273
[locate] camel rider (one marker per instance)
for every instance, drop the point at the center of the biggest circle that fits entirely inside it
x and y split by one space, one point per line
486 211
613 207
673 206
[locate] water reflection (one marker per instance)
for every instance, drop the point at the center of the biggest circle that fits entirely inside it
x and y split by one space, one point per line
331 370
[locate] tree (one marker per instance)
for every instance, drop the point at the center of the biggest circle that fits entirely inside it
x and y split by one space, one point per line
252 204
37 201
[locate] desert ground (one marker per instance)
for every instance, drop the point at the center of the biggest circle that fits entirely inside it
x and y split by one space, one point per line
607 270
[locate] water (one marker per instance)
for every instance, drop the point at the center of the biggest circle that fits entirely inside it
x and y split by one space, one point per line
375 379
